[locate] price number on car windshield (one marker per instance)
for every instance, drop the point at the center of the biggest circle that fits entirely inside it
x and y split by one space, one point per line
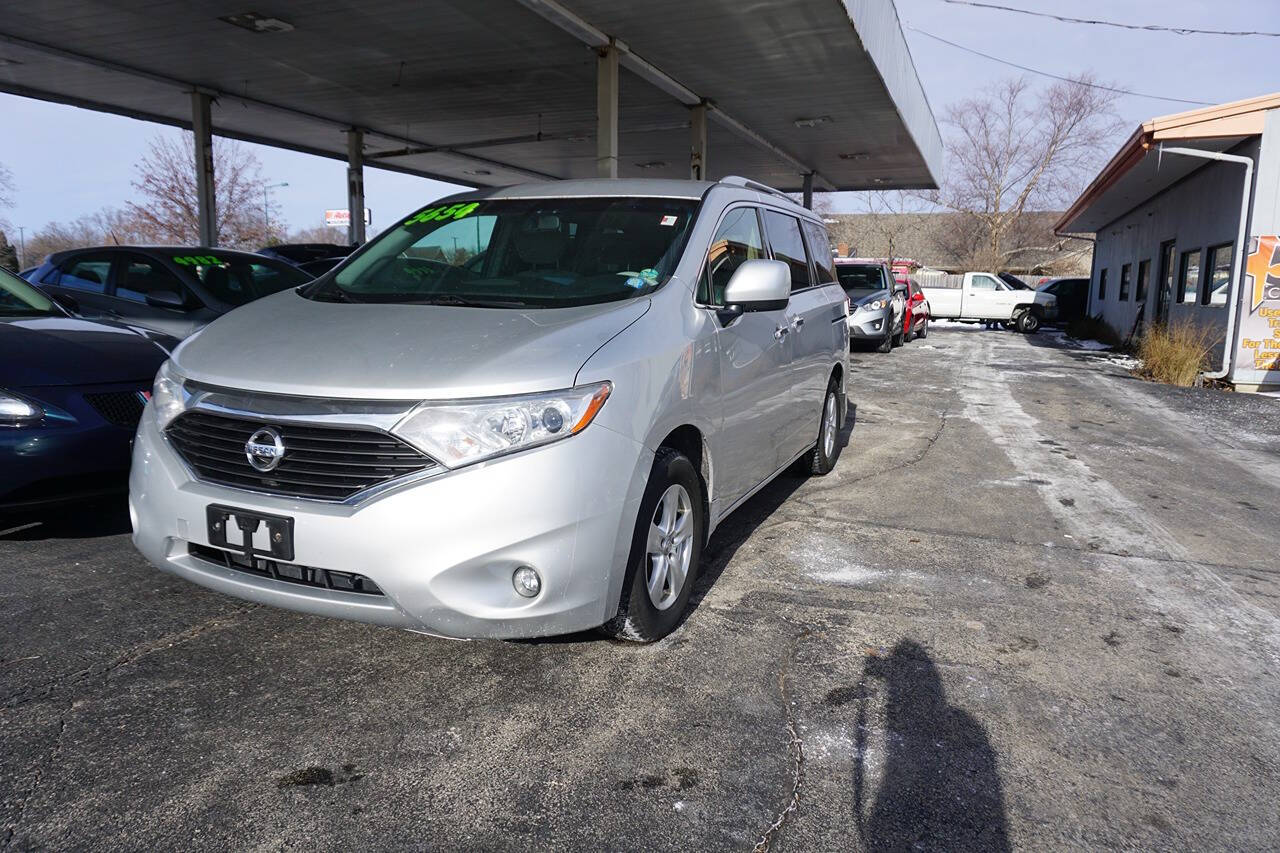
442 213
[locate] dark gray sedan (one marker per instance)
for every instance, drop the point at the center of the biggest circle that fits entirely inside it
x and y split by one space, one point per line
172 289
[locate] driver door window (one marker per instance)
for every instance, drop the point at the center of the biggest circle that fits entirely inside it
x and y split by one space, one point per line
140 275
738 239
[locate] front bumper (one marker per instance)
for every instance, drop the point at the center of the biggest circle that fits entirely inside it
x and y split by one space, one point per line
869 325
59 460
441 550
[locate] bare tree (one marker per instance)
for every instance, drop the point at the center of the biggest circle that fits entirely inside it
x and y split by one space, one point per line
108 227
319 234
8 254
169 212
888 219
7 188
1014 150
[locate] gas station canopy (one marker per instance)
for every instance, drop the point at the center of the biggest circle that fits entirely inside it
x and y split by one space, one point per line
492 92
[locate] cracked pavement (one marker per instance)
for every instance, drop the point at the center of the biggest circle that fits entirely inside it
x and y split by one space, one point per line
1036 605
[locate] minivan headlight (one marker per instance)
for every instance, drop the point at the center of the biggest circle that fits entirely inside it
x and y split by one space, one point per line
167 397
460 433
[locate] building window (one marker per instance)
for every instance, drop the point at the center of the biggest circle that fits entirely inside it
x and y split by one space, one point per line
1144 273
1215 291
1189 276
1125 274
1102 285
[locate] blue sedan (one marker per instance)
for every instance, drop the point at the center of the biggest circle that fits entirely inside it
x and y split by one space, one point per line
71 394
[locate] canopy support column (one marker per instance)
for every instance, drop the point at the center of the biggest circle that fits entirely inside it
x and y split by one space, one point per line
808 190
698 148
202 130
355 186
607 112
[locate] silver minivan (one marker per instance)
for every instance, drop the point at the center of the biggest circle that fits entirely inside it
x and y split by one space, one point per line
518 412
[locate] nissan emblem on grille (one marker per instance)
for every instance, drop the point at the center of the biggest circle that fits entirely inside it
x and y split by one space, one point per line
264 449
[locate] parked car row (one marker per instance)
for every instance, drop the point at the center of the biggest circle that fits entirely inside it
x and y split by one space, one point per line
884 312
513 414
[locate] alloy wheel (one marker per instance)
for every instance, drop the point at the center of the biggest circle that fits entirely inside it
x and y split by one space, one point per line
670 547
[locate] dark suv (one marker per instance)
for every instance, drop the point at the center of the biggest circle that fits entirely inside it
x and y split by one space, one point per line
173 289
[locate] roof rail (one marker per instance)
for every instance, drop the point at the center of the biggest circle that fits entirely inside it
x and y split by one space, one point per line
739 181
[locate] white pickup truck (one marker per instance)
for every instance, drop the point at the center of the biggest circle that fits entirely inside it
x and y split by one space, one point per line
981 297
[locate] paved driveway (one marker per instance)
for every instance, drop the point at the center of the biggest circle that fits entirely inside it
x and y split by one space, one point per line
1035 605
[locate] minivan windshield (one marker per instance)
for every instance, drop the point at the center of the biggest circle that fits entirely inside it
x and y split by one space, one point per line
519 253
860 279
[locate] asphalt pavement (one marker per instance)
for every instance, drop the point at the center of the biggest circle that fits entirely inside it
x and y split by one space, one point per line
1036 606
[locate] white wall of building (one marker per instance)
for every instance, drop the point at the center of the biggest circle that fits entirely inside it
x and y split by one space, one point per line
1197 213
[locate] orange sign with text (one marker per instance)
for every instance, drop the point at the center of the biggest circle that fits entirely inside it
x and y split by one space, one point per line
1260 327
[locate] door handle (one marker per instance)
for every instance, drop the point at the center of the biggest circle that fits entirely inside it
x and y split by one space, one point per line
797 322
781 332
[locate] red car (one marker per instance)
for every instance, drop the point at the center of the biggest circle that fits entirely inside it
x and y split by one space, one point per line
915 319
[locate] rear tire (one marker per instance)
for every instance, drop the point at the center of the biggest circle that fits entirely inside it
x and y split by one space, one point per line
827 450
667 543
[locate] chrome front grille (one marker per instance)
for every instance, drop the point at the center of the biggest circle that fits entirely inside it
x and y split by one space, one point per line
321 462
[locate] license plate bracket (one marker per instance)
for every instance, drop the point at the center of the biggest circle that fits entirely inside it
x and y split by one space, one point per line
245 530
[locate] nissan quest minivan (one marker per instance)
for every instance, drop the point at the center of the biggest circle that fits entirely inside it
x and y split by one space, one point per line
518 412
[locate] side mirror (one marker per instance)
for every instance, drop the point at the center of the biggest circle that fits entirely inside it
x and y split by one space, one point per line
900 288
758 285
166 299
67 303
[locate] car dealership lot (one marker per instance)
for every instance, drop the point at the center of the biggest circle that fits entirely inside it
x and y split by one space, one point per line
1036 602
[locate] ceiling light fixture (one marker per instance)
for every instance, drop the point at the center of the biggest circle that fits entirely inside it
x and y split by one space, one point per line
855 155
812 122
476 172
256 23
652 164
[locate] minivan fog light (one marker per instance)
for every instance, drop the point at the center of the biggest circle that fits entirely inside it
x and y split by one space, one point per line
526 582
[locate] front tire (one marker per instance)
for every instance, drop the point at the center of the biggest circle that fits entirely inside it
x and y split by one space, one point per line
886 344
824 454
924 329
1028 322
666 552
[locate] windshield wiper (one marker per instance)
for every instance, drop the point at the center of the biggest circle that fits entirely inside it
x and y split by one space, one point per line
451 299
333 294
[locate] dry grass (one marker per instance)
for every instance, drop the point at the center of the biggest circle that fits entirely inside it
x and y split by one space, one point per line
1175 354
1094 329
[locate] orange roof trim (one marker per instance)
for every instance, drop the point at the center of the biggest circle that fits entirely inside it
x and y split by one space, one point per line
1238 118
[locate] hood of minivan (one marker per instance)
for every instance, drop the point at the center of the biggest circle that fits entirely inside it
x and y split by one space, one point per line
286 344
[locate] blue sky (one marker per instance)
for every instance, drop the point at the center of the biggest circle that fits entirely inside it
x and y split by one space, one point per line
68 162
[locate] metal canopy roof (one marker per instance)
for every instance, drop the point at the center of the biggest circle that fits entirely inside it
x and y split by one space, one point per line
493 92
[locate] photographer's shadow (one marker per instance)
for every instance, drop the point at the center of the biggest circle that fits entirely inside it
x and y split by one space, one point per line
940 788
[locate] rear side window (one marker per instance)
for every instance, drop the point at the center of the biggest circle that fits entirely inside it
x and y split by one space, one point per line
85 272
788 246
141 275
737 240
820 249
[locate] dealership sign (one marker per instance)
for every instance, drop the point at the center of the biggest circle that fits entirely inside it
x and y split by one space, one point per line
1260 330
342 217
